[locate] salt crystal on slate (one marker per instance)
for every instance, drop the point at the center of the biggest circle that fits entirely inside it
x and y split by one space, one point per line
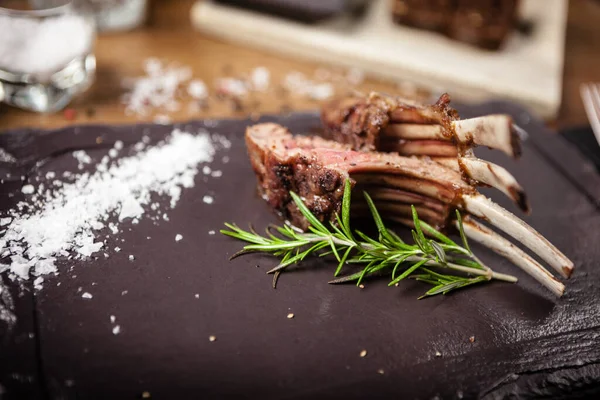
66 224
27 189
211 232
116 329
131 257
112 319
178 237
86 295
207 199
82 157
37 283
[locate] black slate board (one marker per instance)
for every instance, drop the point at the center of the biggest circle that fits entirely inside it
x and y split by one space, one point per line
527 343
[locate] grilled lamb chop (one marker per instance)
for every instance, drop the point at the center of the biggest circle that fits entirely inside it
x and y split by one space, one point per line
391 124
317 169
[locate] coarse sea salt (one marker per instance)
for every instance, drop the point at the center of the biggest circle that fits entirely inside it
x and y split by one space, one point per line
156 90
67 221
43 46
298 83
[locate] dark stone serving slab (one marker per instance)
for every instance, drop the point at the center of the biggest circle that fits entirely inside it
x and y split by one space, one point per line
526 343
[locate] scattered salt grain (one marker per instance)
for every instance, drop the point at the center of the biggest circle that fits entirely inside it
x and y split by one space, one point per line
206 170
65 224
82 157
86 295
156 90
211 232
178 237
37 282
50 175
131 257
112 319
124 292
438 354
162 119
146 395
116 329
260 78
208 199
380 371
117 249
216 174
27 189
197 295
212 338
355 76
290 315
298 83
231 87
363 353
113 153
118 145
197 89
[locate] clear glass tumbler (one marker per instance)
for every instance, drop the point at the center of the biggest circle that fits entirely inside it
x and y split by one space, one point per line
46 53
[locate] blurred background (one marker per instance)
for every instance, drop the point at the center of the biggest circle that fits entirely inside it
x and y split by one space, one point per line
118 61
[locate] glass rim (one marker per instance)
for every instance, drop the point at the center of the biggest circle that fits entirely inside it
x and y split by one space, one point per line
42 12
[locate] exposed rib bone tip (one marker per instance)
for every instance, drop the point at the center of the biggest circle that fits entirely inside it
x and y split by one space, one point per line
482 207
522 133
490 239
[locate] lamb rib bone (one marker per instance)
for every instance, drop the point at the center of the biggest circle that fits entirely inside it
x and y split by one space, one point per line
318 175
498 244
482 207
372 123
494 131
490 239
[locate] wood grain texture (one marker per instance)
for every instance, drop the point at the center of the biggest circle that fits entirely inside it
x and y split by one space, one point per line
169 35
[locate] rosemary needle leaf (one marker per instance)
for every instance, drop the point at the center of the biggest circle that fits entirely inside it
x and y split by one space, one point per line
345 223
431 231
439 251
385 255
408 272
314 222
463 237
420 234
342 261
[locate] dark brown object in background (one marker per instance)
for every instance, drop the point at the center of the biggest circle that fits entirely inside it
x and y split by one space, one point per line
482 23
301 10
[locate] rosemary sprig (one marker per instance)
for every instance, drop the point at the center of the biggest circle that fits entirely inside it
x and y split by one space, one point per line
438 261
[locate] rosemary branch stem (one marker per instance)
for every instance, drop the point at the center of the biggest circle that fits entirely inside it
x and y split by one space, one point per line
473 271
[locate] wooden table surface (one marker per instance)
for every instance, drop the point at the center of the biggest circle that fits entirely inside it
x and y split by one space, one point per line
169 36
